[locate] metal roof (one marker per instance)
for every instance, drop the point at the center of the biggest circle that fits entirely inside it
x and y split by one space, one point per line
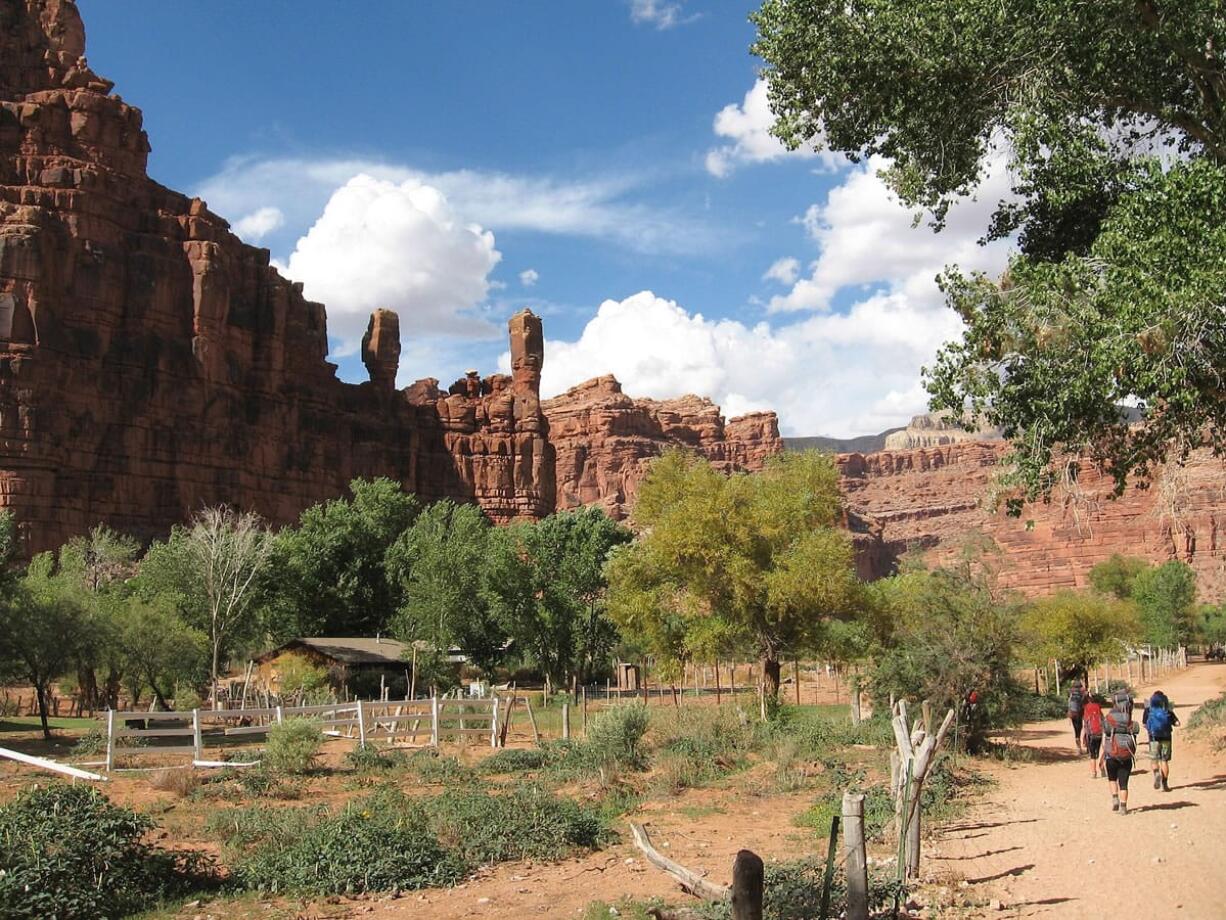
348 650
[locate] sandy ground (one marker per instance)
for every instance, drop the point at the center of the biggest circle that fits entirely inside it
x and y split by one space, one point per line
1045 842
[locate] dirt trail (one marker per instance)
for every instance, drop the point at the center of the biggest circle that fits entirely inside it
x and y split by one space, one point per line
1045 842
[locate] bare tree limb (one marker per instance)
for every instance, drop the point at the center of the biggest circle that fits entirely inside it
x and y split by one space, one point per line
691 882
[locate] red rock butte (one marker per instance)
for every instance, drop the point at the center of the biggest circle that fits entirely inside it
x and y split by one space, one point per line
151 363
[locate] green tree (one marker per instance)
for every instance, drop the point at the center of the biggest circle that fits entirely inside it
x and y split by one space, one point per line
1109 115
100 557
162 652
951 635
1165 596
1115 576
1078 629
761 555
438 565
1211 625
8 551
547 586
330 569
211 572
41 624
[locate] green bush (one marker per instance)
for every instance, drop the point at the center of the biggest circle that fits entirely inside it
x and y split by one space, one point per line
91 743
293 746
371 759
1211 714
616 736
240 828
354 852
528 822
515 760
67 852
431 767
1028 706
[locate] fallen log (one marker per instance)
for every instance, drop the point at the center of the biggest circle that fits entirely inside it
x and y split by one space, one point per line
691 882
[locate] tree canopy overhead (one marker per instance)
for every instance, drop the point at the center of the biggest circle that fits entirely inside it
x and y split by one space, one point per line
1111 117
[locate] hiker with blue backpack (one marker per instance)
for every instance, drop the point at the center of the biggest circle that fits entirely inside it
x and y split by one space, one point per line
1119 749
1160 719
1076 707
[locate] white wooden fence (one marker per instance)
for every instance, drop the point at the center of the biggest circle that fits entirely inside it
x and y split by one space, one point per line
419 722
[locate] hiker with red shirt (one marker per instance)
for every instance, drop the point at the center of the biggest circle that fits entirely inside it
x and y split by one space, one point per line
1119 749
1092 731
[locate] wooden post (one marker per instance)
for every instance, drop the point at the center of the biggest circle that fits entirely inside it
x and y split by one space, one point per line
565 721
746 892
854 861
926 711
494 724
361 726
913 840
855 704
1057 677
280 717
584 691
536 735
434 720
110 739
196 740
796 673
828 878
719 694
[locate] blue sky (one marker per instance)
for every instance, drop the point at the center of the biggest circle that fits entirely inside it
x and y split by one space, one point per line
605 162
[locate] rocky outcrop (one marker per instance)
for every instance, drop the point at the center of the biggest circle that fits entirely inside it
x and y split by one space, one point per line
605 440
932 499
935 429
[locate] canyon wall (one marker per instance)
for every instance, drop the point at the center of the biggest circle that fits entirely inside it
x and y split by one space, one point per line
152 363
933 498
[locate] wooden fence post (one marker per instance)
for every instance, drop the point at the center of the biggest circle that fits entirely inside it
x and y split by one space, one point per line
855 703
434 720
855 862
746 892
280 715
536 735
494 724
565 721
361 726
110 739
196 740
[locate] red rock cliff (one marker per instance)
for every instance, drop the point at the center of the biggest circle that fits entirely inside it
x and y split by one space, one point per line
151 363
605 440
931 498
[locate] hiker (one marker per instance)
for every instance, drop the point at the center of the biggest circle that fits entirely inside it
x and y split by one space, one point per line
1119 749
1092 731
1076 705
1159 718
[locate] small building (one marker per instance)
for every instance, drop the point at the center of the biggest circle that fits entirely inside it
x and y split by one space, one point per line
356 665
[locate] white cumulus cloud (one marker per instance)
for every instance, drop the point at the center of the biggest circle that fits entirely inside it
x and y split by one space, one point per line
747 129
785 271
381 243
259 223
662 14
529 276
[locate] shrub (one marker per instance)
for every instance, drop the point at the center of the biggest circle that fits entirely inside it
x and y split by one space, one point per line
1210 714
182 782
528 822
240 828
68 852
91 743
616 736
515 760
371 759
431 767
354 852
293 746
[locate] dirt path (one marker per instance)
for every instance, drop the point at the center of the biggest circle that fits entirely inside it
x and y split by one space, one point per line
1045 842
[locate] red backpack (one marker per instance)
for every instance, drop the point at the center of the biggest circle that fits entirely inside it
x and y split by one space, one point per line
1093 717
1119 742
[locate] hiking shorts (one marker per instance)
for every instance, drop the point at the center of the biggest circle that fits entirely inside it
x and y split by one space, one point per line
1094 746
1160 750
1118 771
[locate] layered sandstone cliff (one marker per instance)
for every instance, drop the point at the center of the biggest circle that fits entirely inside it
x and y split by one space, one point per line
152 363
931 499
604 440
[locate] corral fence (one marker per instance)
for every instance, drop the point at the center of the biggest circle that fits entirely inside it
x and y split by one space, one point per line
405 723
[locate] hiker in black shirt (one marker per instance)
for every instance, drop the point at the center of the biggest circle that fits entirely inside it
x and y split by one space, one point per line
1119 749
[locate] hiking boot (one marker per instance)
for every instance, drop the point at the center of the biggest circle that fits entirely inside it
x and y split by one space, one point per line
1115 804
1165 787
1123 810
1157 780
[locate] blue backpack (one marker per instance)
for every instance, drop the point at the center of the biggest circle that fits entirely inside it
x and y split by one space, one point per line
1159 721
